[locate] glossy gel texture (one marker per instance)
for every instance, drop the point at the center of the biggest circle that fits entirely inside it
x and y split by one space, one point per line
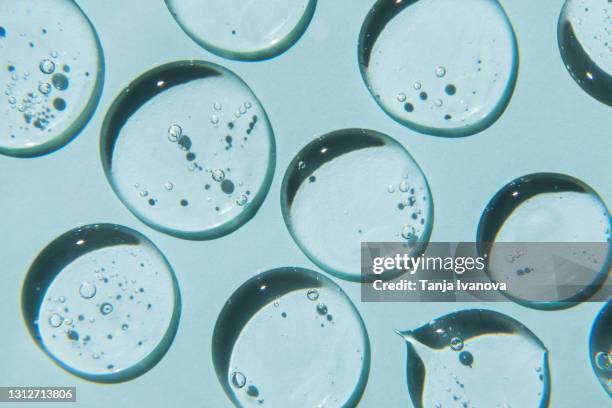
585 42
600 347
462 360
243 30
51 75
547 208
189 150
352 186
440 67
291 338
102 302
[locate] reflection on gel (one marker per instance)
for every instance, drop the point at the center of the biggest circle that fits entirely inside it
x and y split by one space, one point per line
441 67
600 347
102 302
462 359
585 42
352 186
189 149
290 337
51 73
243 30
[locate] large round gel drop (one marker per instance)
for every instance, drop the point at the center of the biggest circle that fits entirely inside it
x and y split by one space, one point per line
441 67
51 74
547 236
290 337
352 186
102 302
189 150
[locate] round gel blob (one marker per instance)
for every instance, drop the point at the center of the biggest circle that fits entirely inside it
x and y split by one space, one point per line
585 41
600 347
548 238
290 337
51 75
243 30
102 302
352 186
189 150
458 360
441 67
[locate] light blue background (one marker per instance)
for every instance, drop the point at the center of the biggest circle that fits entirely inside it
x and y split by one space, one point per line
315 87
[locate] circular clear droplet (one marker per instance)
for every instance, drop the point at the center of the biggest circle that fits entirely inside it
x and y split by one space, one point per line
600 347
547 236
336 369
243 30
419 47
154 132
47 117
585 42
87 290
341 197
456 343
438 374
132 277
47 66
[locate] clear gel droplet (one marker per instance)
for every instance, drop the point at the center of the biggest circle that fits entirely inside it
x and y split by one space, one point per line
438 374
571 222
128 269
243 30
48 116
585 42
153 133
341 197
251 336
419 47
600 347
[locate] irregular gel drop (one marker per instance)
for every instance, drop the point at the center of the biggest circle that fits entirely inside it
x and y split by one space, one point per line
252 30
353 186
480 373
441 67
189 150
290 337
102 302
51 74
585 41
600 347
571 223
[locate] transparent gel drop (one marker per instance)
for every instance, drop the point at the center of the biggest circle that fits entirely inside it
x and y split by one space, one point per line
352 186
585 41
600 347
172 167
252 30
501 363
51 74
565 214
102 302
272 347
422 49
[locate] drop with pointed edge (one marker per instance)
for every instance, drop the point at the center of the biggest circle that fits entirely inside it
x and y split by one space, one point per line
480 373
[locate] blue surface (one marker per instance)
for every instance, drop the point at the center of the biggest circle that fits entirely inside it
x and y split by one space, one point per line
315 87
